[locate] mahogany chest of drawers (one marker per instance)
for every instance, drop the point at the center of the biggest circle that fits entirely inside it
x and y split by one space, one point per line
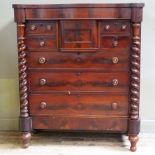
79 68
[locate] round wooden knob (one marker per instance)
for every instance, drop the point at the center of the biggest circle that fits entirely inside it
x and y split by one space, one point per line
49 27
114 105
43 105
115 60
69 92
107 27
42 82
33 27
123 27
79 60
78 73
42 43
114 82
115 43
42 60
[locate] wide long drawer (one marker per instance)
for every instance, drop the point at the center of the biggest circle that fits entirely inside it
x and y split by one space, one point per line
88 105
109 124
107 60
78 81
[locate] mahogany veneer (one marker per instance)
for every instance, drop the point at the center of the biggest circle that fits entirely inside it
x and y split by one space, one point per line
79 68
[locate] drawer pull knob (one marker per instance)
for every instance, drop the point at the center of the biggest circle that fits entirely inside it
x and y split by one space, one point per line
79 60
115 43
33 27
69 92
115 82
115 60
123 27
107 27
42 43
78 73
42 60
114 106
42 82
43 105
49 27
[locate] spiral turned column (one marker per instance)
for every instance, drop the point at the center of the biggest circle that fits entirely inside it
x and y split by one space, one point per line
135 86
22 71
23 88
135 72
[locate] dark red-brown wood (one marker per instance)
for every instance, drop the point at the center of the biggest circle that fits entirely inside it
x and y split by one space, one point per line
79 68
98 124
78 81
107 61
79 104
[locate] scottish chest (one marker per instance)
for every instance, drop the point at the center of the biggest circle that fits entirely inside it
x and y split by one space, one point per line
79 68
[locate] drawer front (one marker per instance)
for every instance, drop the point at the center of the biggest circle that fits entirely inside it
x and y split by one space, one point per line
109 124
78 34
79 12
115 27
41 27
41 42
115 42
88 105
110 61
78 81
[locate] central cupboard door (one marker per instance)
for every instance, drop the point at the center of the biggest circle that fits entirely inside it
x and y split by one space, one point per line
78 34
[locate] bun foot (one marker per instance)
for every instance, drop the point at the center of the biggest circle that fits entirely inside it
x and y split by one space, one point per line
133 140
26 137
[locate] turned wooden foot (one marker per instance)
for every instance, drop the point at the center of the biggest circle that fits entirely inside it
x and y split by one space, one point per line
133 140
26 137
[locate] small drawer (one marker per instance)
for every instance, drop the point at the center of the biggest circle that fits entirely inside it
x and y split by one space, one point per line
41 27
114 27
108 41
78 81
78 104
42 43
110 60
